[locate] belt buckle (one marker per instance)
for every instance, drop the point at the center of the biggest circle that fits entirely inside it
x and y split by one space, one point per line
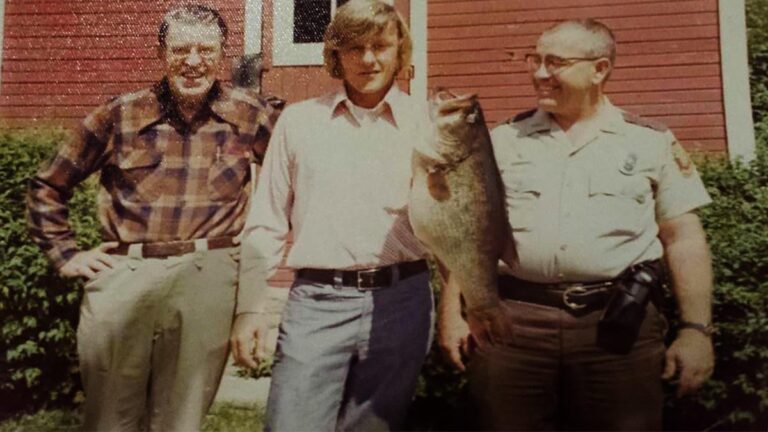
574 289
367 276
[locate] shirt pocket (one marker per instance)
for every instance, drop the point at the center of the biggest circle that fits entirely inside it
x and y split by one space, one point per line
227 177
522 189
620 201
140 174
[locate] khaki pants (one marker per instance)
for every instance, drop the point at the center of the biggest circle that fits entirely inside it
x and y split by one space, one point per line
153 340
551 375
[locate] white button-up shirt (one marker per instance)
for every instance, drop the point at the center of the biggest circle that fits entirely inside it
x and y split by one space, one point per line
339 177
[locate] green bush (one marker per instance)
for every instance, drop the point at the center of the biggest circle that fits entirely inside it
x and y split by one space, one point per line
39 310
737 230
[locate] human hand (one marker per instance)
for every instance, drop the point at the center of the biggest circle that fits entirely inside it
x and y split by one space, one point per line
453 337
89 263
248 339
692 358
488 325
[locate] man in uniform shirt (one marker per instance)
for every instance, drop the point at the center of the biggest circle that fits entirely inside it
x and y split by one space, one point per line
355 330
174 175
596 197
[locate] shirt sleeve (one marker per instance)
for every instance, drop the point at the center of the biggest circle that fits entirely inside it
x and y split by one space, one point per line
51 188
680 189
267 225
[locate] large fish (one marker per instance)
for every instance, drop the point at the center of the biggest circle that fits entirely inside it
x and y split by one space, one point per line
457 207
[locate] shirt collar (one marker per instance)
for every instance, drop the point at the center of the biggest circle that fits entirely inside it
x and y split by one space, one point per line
218 102
608 119
391 107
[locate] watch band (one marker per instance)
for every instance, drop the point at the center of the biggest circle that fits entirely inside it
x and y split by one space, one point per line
706 329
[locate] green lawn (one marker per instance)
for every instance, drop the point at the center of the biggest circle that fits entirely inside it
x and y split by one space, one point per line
222 418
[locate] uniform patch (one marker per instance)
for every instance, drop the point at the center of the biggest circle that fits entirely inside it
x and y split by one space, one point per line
629 164
683 161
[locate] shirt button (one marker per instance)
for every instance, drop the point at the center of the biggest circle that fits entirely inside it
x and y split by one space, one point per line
640 199
564 248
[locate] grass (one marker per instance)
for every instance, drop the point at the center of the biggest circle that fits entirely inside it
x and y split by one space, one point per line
222 417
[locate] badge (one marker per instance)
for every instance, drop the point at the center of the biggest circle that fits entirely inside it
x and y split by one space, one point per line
629 164
683 161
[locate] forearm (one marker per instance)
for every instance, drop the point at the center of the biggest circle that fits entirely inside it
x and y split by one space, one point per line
450 299
48 224
690 266
257 265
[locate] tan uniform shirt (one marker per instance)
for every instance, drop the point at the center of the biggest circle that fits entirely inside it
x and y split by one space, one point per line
587 211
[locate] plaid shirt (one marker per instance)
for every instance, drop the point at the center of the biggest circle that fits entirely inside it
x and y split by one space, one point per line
162 178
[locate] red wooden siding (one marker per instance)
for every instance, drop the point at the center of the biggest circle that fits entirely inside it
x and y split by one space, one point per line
62 58
667 68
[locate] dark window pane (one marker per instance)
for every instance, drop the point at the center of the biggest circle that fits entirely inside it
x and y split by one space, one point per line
310 18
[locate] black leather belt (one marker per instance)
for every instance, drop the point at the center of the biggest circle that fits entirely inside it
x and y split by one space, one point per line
367 278
574 297
173 248
582 297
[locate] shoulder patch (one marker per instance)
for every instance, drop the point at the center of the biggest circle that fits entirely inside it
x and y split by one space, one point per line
644 122
522 116
683 161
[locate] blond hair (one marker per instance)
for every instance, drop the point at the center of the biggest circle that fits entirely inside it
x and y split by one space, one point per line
360 20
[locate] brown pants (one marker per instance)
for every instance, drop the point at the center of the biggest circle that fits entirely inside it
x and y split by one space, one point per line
550 375
153 340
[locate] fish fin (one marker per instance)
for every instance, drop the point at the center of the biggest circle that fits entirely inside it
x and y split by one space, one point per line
509 252
437 186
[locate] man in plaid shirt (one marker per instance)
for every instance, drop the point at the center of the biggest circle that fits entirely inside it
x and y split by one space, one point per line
174 174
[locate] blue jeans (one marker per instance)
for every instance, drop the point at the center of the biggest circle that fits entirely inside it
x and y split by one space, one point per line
349 359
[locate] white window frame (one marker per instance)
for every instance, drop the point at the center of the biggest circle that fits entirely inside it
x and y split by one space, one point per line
284 51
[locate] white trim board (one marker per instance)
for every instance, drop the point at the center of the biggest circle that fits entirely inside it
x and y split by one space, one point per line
740 130
419 60
2 33
252 26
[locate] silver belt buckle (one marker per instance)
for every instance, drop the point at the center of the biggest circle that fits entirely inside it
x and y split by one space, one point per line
574 289
367 276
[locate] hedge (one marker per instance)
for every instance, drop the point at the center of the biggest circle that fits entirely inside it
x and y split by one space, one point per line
39 310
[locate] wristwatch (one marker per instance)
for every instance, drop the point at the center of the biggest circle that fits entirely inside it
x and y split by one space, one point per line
706 329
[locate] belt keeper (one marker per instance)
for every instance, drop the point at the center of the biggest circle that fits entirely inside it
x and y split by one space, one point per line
201 245
135 250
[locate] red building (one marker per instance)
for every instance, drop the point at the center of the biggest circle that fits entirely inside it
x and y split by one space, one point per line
681 62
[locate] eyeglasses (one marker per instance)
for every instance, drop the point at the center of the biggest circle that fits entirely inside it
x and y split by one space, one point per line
553 64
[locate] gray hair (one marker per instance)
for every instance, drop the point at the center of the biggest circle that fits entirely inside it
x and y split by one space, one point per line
192 14
603 42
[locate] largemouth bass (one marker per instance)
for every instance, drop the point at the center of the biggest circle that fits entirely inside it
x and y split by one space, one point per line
457 207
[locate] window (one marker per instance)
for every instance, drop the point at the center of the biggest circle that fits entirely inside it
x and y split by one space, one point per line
298 30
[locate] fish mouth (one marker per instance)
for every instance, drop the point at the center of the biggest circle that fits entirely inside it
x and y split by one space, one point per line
446 103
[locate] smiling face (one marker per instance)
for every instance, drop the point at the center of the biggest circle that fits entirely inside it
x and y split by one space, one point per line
370 66
575 88
192 57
